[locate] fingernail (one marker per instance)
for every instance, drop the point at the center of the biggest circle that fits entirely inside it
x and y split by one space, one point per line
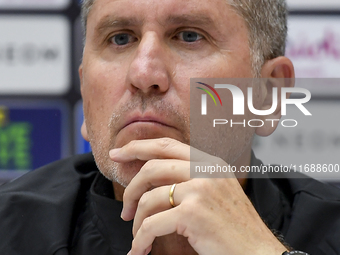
122 214
114 152
147 251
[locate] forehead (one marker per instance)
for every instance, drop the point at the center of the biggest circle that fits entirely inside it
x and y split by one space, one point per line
155 11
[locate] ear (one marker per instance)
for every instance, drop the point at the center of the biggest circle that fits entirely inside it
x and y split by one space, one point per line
279 73
83 131
80 72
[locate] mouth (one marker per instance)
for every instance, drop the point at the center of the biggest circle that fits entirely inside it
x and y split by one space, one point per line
151 124
146 120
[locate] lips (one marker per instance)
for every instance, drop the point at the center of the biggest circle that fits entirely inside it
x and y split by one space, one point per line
145 119
149 124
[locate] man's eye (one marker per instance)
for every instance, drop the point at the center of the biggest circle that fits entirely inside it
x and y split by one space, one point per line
189 36
122 39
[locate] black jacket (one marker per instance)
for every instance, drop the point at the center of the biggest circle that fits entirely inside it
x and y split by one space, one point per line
68 208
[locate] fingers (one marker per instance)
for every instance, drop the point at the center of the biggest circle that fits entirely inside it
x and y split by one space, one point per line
162 148
153 202
159 169
146 198
160 224
154 173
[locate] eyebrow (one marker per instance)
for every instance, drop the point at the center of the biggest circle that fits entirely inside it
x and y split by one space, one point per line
188 19
197 19
112 21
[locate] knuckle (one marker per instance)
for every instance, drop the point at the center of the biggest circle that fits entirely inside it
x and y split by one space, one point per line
166 143
134 245
144 200
148 166
188 208
181 228
126 193
146 225
132 144
200 185
150 169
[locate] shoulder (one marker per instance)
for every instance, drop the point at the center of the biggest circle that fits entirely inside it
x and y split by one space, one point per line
306 211
43 204
314 219
306 186
57 173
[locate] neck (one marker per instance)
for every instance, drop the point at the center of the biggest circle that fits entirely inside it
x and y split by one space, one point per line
172 244
118 191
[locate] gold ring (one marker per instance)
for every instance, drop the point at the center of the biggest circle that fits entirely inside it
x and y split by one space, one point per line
171 194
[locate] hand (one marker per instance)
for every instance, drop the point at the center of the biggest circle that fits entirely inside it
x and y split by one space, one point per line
214 215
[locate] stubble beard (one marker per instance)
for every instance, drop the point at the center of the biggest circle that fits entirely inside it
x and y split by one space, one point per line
227 145
122 173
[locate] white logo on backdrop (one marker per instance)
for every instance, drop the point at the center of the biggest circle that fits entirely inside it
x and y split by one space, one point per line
34 55
34 4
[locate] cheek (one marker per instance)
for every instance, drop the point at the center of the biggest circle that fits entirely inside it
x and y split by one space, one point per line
218 65
103 85
102 89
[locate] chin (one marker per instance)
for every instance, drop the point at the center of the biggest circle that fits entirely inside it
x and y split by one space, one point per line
122 173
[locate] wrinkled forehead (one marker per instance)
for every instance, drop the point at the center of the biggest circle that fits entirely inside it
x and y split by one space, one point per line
191 5
214 13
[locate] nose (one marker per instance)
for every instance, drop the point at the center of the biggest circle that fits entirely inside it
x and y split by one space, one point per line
149 68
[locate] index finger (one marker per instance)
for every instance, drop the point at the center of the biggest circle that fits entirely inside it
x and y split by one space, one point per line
160 148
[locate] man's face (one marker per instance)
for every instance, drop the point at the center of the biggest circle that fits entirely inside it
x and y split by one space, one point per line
138 60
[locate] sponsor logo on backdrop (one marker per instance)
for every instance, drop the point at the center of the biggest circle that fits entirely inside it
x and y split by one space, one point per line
28 53
32 134
314 46
34 4
35 59
328 46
